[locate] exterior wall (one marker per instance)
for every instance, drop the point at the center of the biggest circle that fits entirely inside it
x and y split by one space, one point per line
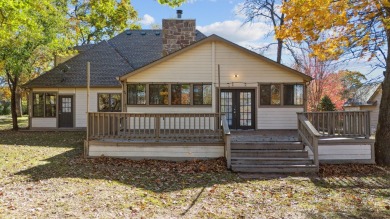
153 151
43 122
352 108
277 118
200 64
80 105
191 66
345 151
250 70
374 111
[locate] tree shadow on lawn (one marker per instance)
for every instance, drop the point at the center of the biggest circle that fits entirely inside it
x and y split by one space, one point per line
42 138
361 176
153 175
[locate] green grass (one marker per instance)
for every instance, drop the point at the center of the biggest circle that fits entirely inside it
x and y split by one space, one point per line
6 122
44 175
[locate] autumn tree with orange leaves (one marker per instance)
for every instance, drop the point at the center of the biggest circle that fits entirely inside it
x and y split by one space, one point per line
354 29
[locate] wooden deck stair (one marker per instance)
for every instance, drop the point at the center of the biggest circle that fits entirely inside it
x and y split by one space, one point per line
270 157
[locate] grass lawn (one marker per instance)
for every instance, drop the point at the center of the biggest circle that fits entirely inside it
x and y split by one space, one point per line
43 175
6 122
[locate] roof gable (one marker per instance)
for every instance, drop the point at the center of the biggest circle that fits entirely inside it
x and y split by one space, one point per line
218 39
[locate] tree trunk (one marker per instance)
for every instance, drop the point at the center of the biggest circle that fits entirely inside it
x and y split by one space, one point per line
279 53
15 126
382 136
13 84
18 102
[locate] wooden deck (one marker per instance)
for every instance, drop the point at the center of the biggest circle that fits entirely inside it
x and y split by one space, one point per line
320 137
264 135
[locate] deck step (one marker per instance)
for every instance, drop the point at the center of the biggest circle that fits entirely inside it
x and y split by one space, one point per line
267 145
274 168
270 161
270 153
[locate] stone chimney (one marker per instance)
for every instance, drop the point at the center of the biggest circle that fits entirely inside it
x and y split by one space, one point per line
177 33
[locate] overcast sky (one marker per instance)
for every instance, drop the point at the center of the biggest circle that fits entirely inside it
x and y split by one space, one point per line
224 18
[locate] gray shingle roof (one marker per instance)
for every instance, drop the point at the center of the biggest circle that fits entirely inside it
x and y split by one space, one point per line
363 95
122 54
106 64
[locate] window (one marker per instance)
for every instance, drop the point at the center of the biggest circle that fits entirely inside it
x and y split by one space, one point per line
136 94
44 105
50 105
202 94
109 102
180 94
270 94
293 94
158 94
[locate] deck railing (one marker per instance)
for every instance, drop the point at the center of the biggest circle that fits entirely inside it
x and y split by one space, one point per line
226 138
340 123
309 136
156 126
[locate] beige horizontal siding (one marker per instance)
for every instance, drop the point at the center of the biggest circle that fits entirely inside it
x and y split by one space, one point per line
277 118
80 104
150 152
343 152
43 122
169 109
249 68
191 66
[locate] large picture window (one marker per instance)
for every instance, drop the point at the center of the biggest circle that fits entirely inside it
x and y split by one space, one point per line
136 94
270 94
293 94
158 94
44 105
109 102
202 94
180 94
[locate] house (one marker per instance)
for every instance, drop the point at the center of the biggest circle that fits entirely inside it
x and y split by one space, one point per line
163 94
367 98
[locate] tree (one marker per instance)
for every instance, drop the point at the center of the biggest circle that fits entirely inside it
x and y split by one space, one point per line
318 69
32 31
351 80
267 10
355 29
93 21
32 26
326 104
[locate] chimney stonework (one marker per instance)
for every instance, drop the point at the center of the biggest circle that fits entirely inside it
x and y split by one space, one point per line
177 34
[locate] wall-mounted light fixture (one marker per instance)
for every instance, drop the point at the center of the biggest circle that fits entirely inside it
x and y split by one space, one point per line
236 76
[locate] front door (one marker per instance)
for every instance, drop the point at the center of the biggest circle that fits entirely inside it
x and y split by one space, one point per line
239 108
65 112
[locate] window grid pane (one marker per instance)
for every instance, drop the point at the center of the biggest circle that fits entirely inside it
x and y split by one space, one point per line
202 94
180 94
293 94
38 105
136 94
158 94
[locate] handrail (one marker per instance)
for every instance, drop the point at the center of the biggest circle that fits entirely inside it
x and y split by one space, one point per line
309 136
156 126
226 138
225 126
340 123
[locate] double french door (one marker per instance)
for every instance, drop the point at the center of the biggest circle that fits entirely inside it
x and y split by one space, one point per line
239 108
